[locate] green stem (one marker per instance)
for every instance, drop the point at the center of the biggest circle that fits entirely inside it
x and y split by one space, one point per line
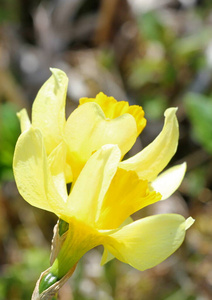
80 239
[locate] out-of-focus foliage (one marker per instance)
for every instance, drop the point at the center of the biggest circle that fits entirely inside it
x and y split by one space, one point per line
23 274
169 60
9 132
9 10
153 53
199 110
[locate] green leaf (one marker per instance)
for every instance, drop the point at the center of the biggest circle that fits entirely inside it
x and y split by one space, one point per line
9 132
151 27
199 111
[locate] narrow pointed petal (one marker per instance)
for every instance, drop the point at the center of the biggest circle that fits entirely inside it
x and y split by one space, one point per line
24 120
169 181
149 241
113 109
126 195
153 159
32 173
48 111
89 190
87 130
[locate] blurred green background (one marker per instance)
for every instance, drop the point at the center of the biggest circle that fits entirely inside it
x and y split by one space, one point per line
153 53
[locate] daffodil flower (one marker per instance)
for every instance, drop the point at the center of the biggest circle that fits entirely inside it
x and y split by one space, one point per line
105 191
99 121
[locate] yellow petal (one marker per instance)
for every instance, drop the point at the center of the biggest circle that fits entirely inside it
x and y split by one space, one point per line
87 129
107 256
57 164
32 173
24 120
89 190
149 241
48 110
152 160
169 181
126 195
113 109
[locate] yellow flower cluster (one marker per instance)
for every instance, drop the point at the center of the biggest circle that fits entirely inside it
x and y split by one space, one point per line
87 149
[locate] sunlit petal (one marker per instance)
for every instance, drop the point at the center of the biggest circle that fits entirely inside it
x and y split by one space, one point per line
169 181
147 242
24 120
89 190
32 173
152 160
87 129
48 111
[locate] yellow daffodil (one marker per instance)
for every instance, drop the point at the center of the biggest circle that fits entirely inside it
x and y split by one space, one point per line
105 191
99 121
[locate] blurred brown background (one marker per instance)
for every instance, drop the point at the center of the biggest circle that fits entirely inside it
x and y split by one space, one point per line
153 53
